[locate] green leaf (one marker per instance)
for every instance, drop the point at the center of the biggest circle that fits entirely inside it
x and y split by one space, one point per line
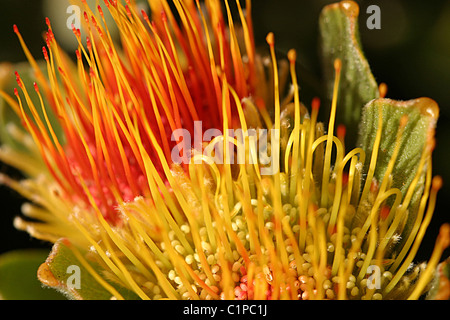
416 140
339 38
65 272
440 285
18 276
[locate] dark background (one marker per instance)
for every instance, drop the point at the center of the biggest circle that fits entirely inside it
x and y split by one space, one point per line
411 53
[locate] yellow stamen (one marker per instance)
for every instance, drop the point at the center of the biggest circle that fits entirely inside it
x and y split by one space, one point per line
436 185
327 163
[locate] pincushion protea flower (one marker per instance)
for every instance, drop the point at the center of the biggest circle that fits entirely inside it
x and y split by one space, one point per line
325 224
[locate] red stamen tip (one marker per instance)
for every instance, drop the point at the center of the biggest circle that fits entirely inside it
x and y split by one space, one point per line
341 130
88 43
19 82
270 38
100 10
128 11
315 104
292 55
16 92
47 39
94 22
16 30
384 212
51 35
144 15
66 242
338 65
76 31
432 144
374 186
382 89
444 235
47 22
437 182
163 16
36 88
345 178
44 51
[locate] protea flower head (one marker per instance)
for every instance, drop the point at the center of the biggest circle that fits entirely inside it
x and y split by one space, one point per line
181 164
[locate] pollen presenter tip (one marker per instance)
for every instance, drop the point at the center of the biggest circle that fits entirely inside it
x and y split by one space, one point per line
444 235
437 183
337 65
382 90
270 39
292 55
